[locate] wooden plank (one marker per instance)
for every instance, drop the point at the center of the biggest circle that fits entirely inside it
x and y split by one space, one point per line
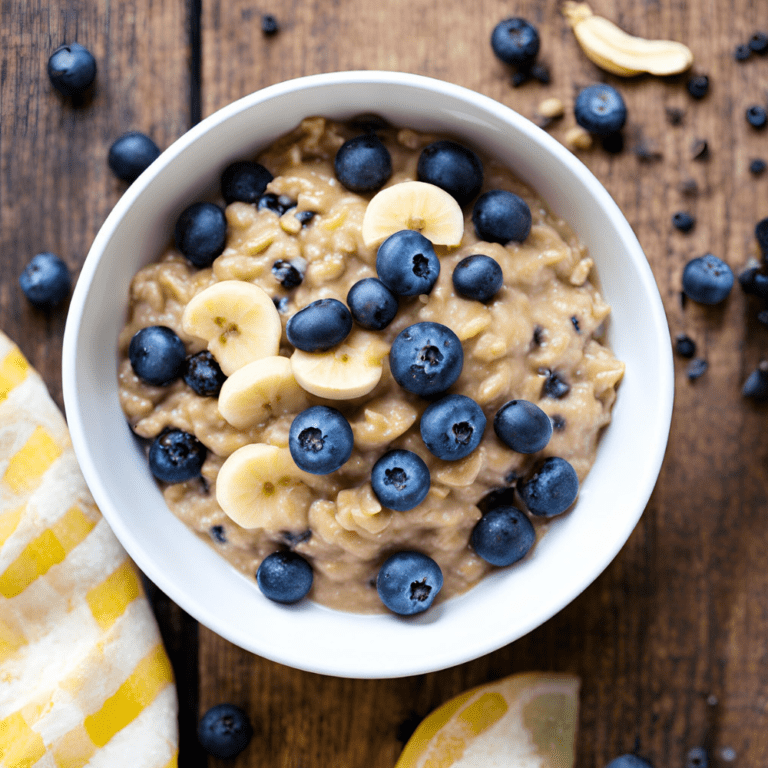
668 640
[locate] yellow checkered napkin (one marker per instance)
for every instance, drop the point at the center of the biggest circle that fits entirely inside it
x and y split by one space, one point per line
84 677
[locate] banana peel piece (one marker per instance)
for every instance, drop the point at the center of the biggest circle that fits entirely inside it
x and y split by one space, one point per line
614 50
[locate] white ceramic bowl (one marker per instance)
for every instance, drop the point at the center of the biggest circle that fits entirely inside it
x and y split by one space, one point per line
510 602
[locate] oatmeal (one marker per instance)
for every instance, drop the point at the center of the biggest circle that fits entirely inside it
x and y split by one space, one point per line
538 338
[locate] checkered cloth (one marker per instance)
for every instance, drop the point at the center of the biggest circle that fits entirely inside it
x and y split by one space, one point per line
84 677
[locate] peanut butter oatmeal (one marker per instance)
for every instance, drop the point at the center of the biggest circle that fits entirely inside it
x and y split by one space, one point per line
538 339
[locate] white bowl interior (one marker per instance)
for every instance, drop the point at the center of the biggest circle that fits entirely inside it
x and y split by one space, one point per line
509 603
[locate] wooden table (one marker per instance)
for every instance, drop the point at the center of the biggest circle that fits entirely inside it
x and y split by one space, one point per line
671 641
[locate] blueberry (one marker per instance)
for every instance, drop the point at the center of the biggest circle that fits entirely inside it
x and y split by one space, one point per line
503 536
742 52
400 479
551 488
452 427
426 358
203 375
218 534
131 154
500 216
756 116
685 346
407 264
71 69
452 167
707 279
157 355
408 582
600 109
320 440
522 426
278 204
696 368
698 86
696 758
176 456
761 234
286 274
363 164
284 577
628 761
683 221
555 386
269 25
224 731
754 282
372 304
201 233
305 216
244 181
319 326
758 42
45 281
515 41
757 166
478 277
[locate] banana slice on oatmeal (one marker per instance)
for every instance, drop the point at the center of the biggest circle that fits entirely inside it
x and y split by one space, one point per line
239 321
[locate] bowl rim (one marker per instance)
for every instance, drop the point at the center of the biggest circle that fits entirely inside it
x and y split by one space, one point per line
440 658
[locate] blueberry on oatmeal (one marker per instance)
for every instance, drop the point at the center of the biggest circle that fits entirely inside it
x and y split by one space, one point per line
284 577
551 488
501 216
426 358
176 456
320 440
157 355
203 375
372 304
201 233
408 582
452 427
400 480
244 181
503 536
321 325
478 277
363 164
522 426
407 264
452 167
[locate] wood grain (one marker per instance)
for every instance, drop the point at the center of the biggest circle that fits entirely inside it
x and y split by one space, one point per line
670 639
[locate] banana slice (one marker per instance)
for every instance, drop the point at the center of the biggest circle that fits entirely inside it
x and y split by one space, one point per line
259 486
260 390
351 369
612 49
237 319
413 205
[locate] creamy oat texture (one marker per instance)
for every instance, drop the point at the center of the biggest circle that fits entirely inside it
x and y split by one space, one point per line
539 339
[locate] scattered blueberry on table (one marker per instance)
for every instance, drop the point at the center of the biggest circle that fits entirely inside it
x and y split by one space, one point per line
131 154
71 69
683 221
707 279
756 385
756 116
500 216
269 25
320 440
45 281
503 536
224 731
698 86
452 427
757 166
408 582
600 109
685 346
696 368
426 358
319 326
407 264
157 355
176 456
452 167
758 43
201 233
515 41
284 577
363 164
400 480
629 761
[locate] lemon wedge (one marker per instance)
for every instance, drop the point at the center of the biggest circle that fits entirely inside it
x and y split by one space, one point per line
527 720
